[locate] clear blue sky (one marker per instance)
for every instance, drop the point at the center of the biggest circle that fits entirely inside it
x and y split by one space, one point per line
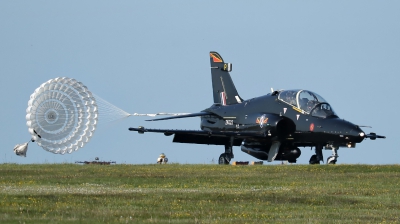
152 56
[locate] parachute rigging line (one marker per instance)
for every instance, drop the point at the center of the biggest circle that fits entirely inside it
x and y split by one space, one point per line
108 112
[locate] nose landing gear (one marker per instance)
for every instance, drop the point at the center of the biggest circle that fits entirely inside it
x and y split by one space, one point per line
333 159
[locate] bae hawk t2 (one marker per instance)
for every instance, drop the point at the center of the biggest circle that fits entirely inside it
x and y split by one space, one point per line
270 127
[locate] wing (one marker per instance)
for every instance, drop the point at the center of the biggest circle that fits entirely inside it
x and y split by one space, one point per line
202 137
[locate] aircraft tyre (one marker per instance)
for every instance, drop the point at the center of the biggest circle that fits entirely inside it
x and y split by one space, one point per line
223 159
314 160
331 160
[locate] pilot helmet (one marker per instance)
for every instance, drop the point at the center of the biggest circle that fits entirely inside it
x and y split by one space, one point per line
288 96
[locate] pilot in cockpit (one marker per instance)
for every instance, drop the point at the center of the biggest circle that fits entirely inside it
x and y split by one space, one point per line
310 105
303 103
291 97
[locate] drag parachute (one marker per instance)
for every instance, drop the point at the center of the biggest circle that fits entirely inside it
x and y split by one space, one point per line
62 115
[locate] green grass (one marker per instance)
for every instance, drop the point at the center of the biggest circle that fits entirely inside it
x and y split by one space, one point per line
173 193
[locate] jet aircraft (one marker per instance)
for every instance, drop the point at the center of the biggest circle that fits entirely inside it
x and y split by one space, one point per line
270 127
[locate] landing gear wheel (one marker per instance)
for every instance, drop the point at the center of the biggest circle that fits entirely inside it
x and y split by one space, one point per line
223 159
314 160
331 160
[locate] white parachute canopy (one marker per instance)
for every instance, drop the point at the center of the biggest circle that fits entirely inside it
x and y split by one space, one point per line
63 114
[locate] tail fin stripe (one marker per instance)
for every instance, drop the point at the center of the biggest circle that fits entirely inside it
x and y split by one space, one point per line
223 99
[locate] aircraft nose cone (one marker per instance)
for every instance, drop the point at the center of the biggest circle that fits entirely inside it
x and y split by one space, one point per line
347 130
353 131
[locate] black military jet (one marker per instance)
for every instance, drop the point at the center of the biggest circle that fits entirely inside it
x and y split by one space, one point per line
270 127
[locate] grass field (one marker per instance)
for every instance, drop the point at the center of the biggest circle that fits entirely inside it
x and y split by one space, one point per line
173 193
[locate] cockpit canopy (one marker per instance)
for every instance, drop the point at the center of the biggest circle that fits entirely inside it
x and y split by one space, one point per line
307 101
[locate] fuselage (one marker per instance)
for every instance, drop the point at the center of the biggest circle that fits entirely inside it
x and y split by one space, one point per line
272 117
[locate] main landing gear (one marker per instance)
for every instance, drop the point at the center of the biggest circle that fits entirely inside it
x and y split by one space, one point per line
225 158
315 159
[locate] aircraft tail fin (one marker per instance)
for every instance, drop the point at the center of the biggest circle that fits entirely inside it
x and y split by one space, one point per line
224 90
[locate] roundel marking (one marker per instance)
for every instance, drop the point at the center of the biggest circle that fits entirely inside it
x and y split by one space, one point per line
312 127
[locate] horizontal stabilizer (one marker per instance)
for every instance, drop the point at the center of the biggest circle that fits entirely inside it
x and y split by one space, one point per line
157 114
183 116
